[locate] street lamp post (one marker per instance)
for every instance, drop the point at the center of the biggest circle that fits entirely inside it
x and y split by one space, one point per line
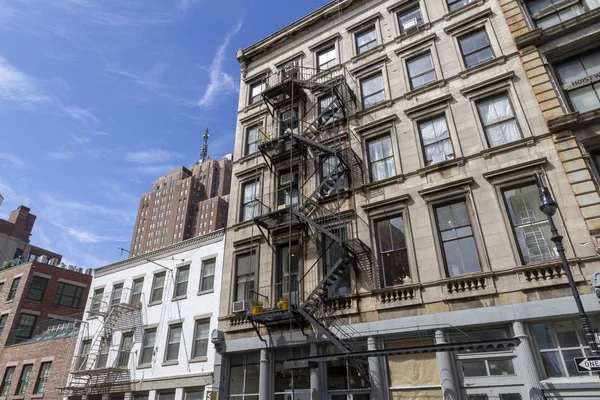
549 206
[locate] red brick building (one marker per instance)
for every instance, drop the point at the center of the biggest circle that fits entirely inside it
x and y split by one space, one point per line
41 307
14 237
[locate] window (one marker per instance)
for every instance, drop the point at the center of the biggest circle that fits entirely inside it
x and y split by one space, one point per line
84 352
326 58
157 287
579 79
487 367
125 350
456 237
148 346
181 281
409 19
115 296
381 158
207 276
37 288
437 145
136 291
68 295
13 289
287 269
173 341
372 91
256 90
331 170
32 257
343 376
559 343
244 376
456 4
547 13
166 396
287 187
299 379
97 299
393 256
288 121
26 325
42 379
23 380
1 287
250 200
498 120
366 40
201 333
191 394
3 319
6 381
244 275
252 140
333 252
421 71
103 353
475 48
329 110
530 226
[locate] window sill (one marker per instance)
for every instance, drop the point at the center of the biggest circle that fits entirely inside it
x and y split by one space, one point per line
334 196
18 397
37 396
376 107
198 359
155 303
483 66
366 54
384 182
9 301
251 107
405 295
201 293
179 298
248 157
242 224
523 142
144 366
420 28
574 120
170 362
455 162
433 85
462 10
324 73
544 274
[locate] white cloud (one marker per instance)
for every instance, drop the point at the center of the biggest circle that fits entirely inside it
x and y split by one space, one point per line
87 236
220 82
185 4
152 156
17 90
6 158
155 170
79 114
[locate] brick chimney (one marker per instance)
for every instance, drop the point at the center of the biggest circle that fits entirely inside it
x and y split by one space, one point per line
22 222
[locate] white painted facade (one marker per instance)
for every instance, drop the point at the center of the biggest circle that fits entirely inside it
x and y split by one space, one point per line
161 377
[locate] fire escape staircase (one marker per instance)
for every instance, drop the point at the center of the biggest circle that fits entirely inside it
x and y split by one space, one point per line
97 372
313 308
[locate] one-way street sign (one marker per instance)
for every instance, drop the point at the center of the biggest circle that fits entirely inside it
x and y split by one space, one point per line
587 364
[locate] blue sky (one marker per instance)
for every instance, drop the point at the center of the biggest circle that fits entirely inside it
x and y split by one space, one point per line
98 98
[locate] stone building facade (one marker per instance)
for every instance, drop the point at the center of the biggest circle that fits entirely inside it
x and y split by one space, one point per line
437 107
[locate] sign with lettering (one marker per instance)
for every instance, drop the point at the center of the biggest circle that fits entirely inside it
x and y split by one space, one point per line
583 81
587 364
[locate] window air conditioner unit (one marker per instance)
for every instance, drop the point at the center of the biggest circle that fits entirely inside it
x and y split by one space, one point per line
239 306
288 178
410 25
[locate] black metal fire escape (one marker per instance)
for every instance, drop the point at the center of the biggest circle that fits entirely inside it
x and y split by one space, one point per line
308 140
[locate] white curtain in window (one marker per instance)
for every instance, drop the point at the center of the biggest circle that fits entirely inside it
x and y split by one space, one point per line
436 140
498 119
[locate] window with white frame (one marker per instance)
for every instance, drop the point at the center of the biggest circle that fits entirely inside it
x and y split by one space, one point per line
326 58
530 226
435 136
580 80
457 238
559 342
207 278
331 170
381 158
156 294
173 341
249 200
246 263
454 5
256 90
136 291
115 295
366 39
201 333
147 352
475 48
181 281
547 13
409 19
252 140
420 70
373 91
393 254
329 110
498 120
484 363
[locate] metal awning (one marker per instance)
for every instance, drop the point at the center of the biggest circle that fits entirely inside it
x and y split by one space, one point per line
479 345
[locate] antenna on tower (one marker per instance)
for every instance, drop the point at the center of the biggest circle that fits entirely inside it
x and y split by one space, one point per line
204 148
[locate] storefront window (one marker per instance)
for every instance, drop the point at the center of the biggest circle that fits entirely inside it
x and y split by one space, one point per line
244 376
288 383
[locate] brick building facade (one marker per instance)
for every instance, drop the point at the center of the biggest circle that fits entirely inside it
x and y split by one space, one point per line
41 307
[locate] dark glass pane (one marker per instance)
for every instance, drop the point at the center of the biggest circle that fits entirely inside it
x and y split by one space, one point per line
474 368
552 364
501 367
